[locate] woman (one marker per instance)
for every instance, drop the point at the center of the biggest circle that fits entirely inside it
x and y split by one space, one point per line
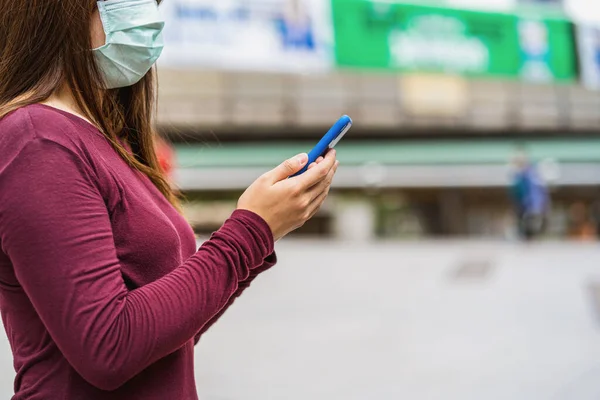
102 291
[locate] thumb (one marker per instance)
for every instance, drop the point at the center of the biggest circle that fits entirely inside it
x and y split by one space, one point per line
287 168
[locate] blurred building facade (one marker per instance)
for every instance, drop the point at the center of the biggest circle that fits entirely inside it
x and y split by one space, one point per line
441 92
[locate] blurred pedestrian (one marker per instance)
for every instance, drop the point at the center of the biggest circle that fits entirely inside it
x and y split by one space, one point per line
530 198
103 292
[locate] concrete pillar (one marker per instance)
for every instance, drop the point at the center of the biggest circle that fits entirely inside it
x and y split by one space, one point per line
354 220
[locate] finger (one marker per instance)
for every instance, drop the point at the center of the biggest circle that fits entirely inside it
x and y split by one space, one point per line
287 168
316 174
321 195
318 203
317 161
326 183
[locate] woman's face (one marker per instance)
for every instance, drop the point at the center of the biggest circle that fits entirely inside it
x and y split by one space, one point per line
97 31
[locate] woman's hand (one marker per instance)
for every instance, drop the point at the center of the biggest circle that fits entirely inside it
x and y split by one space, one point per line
286 204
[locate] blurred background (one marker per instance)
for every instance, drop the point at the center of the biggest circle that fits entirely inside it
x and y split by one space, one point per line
445 95
477 127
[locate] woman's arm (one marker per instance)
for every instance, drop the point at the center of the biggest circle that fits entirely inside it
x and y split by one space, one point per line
56 230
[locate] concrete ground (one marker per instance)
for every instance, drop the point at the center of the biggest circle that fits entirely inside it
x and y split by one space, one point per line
418 321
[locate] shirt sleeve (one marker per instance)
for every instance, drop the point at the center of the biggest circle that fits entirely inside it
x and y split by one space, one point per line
56 230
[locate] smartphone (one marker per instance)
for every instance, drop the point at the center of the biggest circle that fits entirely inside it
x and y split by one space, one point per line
331 138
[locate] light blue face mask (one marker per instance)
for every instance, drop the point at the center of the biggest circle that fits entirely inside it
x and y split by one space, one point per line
133 40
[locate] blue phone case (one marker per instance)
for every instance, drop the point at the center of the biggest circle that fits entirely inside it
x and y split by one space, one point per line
331 138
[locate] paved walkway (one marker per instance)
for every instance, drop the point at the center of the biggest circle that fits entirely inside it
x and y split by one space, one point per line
423 321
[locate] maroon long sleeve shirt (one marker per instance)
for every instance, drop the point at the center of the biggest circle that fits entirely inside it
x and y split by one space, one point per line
102 291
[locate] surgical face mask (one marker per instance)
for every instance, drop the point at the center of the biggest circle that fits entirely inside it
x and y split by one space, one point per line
133 40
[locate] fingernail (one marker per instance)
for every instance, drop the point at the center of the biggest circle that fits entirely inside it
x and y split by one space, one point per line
302 158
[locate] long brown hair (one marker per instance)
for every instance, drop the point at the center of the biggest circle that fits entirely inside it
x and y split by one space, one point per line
45 44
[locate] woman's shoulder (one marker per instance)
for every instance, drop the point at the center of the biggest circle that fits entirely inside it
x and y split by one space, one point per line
43 122
39 123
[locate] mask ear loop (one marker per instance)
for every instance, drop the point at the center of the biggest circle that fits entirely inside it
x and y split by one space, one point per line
105 23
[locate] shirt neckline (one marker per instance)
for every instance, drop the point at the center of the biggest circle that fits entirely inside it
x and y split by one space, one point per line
71 116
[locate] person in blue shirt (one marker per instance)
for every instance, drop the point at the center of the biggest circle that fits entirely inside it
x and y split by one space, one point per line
530 198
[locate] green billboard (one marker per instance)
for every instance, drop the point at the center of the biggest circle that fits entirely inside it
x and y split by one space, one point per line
410 37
